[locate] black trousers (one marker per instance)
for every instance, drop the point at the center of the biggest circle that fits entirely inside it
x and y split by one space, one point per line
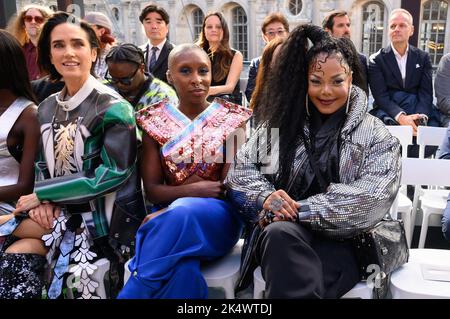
295 263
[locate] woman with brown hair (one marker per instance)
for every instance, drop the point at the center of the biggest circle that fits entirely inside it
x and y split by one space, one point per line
226 62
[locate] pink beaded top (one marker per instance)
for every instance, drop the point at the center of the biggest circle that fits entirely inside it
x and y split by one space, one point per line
195 146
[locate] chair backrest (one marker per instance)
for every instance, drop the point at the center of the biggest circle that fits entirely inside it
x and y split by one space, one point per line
431 136
243 84
242 87
404 133
419 171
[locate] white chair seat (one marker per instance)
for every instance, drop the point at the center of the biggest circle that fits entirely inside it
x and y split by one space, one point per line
224 272
434 201
403 203
361 290
221 273
410 281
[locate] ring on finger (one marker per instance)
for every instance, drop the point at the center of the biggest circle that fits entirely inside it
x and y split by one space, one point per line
276 204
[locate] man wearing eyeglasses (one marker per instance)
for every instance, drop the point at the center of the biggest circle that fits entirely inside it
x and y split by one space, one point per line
274 25
27 28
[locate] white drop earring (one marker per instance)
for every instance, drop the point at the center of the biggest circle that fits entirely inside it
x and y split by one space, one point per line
307 105
348 99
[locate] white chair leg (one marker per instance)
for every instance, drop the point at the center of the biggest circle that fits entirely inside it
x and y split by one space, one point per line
406 216
103 265
126 273
417 193
394 208
258 291
259 285
228 286
424 229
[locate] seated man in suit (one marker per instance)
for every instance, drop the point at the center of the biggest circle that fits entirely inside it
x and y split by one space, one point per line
400 78
337 24
156 25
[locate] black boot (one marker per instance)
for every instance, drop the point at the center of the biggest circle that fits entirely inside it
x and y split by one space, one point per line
21 276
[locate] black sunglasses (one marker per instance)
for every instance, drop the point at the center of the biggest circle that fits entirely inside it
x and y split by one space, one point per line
125 81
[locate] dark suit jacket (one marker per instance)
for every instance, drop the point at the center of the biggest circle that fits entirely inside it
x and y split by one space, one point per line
251 82
385 80
161 64
363 60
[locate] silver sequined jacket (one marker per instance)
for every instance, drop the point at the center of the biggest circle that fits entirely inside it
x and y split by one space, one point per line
369 175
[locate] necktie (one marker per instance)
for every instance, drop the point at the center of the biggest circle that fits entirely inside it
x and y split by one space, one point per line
152 63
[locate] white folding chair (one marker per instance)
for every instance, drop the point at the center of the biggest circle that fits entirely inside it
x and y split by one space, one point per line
222 273
402 203
428 172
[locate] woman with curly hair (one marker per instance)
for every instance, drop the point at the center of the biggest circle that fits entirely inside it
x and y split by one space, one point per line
226 62
336 175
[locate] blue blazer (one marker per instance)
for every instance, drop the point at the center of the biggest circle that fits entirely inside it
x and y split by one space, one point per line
385 81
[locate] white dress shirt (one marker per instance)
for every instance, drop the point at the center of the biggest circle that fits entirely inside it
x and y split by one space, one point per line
401 62
159 46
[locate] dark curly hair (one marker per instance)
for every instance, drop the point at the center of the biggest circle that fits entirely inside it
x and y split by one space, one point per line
283 104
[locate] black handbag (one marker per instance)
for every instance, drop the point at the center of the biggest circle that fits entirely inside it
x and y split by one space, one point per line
381 249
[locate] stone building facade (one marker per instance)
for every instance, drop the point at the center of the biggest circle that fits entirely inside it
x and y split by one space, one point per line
368 17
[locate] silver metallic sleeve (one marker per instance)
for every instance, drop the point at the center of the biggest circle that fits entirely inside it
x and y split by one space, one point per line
247 187
350 207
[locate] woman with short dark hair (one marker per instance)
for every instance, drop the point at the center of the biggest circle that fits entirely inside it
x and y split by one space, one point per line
182 170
